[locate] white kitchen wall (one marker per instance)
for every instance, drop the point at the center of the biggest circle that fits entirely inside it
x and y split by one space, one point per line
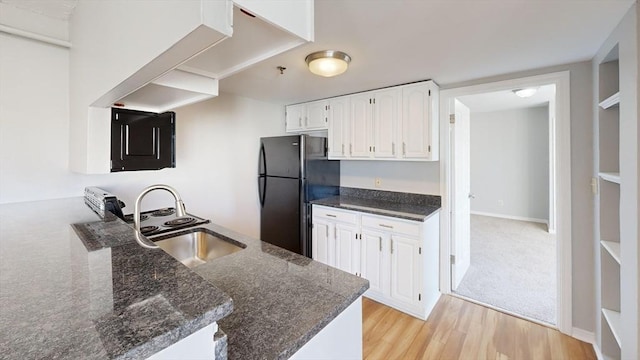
401 176
217 143
510 163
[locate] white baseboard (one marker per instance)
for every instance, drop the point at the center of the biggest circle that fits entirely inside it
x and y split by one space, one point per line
599 355
588 337
521 218
583 335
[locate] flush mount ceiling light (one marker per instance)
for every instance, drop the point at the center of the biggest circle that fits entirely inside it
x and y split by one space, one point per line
328 63
526 92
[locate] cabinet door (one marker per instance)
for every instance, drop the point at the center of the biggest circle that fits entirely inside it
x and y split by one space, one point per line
322 239
361 112
372 261
294 117
386 116
405 269
339 127
316 117
347 248
416 129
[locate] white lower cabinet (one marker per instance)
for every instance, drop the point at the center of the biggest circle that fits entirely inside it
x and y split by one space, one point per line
399 257
406 263
348 248
373 261
321 238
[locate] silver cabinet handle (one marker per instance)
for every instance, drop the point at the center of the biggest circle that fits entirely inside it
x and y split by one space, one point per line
342 149
392 246
404 148
386 226
350 149
306 121
380 243
329 215
300 121
471 196
393 148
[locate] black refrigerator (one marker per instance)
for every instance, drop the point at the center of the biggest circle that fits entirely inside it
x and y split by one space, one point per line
292 171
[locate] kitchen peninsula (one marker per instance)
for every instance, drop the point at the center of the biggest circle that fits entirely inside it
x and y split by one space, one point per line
90 291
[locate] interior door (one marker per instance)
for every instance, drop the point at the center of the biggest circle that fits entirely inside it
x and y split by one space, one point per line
461 193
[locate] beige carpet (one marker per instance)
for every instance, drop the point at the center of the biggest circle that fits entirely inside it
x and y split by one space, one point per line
513 267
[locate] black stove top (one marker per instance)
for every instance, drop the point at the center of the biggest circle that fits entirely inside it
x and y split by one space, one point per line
160 221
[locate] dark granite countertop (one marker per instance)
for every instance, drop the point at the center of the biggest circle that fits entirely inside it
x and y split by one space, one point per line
281 299
61 300
400 205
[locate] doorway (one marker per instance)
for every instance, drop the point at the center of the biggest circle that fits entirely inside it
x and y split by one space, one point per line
456 220
501 154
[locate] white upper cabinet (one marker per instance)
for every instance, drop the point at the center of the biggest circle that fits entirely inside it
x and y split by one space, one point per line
386 116
419 129
317 115
339 127
396 123
294 117
158 55
361 113
312 116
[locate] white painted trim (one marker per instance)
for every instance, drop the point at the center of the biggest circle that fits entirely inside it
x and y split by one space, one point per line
598 352
33 36
584 335
510 217
504 311
563 166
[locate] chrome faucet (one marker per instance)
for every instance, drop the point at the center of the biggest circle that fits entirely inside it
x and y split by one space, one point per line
180 211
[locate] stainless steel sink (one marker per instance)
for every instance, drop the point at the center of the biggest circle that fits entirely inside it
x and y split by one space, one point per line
197 246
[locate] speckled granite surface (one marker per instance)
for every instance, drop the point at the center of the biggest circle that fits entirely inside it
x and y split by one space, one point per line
79 299
281 299
61 300
395 204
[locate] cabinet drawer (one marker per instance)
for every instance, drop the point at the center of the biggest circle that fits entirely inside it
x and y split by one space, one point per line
392 225
335 214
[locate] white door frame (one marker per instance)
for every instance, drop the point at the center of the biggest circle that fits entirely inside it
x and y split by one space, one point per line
563 184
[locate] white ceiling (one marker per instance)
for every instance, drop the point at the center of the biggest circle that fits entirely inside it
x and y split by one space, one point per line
397 41
393 42
507 100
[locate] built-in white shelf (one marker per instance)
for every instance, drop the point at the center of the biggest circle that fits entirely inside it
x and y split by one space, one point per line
610 176
612 100
613 248
613 319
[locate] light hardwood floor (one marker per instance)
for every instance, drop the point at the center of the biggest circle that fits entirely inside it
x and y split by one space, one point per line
458 329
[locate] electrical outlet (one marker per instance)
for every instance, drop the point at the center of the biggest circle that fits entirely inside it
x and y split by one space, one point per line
378 182
500 203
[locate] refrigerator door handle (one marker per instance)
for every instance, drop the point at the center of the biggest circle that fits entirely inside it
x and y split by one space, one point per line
262 161
262 187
